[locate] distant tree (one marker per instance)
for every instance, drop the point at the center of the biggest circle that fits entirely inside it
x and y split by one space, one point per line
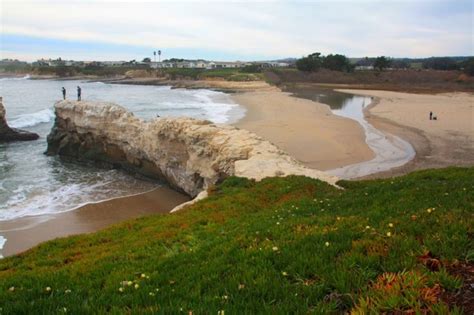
310 63
468 66
400 64
365 62
440 63
64 71
254 68
382 63
337 63
147 60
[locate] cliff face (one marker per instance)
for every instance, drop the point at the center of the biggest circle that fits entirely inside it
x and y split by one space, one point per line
8 134
191 155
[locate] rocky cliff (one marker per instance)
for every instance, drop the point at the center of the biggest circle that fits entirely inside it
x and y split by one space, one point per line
191 155
8 134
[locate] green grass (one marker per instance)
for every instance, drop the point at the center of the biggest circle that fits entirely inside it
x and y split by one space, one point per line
283 245
230 74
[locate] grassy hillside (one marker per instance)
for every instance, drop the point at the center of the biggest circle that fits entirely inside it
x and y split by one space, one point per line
283 245
426 81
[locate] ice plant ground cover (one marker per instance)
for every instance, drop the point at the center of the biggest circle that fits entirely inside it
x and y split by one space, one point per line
283 245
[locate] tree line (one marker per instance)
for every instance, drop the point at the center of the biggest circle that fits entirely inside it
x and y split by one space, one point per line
338 62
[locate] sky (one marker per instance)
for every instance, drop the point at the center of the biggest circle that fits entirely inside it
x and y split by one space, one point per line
234 30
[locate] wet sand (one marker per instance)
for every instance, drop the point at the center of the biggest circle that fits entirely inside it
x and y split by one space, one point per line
24 233
447 141
307 130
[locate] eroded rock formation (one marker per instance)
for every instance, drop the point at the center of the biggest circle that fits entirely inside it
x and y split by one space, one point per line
191 155
8 134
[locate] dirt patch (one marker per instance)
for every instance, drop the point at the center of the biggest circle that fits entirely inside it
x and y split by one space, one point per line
464 297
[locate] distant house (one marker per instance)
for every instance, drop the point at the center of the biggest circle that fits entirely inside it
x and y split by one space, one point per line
363 68
226 64
196 64
48 62
113 63
364 64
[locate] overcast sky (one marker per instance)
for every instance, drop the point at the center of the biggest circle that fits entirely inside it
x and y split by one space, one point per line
234 30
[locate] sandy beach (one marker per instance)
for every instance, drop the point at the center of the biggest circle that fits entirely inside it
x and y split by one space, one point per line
305 129
447 141
26 232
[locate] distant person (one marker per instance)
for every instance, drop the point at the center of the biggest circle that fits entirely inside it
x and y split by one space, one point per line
64 93
78 93
431 115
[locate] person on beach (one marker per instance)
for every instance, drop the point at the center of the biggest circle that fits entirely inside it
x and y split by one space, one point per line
78 93
431 115
64 93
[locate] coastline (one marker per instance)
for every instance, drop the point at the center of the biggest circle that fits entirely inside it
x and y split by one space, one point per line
24 233
448 141
307 130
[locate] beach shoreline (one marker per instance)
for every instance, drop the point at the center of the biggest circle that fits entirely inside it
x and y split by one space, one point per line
307 130
26 232
448 141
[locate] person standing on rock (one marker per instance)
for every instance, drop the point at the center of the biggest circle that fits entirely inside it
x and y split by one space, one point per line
64 93
78 93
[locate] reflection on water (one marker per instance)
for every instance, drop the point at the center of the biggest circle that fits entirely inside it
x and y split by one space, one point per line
390 151
335 100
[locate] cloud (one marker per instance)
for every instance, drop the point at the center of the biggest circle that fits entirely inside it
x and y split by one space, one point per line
252 28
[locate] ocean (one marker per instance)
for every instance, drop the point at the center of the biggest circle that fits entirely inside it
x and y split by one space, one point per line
32 183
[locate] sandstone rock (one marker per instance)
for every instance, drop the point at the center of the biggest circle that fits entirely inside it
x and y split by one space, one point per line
8 134
191 155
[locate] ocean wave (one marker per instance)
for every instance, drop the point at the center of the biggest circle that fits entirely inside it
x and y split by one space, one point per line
26 77
43 196
29 120
3 240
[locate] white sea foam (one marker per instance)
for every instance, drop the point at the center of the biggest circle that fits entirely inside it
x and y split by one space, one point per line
49 197
26 77
33 184
3 240
29 120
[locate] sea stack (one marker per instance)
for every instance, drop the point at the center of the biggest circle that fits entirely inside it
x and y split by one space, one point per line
8 134
190 155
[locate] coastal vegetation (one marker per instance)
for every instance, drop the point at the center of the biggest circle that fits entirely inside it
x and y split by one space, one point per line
230 74
316 61
282 245
416 81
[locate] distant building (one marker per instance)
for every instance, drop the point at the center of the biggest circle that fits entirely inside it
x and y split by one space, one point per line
197 64
363 68
113 63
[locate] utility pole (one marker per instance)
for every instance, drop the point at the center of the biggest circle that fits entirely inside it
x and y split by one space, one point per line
159 55
154 54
